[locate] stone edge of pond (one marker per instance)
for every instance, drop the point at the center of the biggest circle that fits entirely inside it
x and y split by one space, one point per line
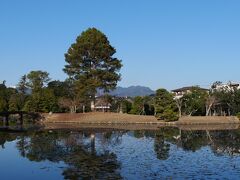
140 123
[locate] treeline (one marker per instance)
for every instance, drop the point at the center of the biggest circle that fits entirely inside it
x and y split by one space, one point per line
36 93
91 65
219 100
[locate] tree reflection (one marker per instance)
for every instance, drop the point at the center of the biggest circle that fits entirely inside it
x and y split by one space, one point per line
163 138
161 147
75 150
225 142
83 164
22 144
86 153
221 142
193 140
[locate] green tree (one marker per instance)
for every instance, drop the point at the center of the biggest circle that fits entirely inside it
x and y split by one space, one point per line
236 103
45 101
62 91
143 105
138 105
90 63
149 105
69 98
126 106
37 80
5 95
59 88
16 102
3 100
228 101
22 85
18 98
42 98
165 107
194 102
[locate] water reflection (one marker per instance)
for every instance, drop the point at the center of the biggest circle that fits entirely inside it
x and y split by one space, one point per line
103 154
72 149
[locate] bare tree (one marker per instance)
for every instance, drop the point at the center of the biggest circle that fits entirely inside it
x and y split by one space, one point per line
179 102
71 104
210 101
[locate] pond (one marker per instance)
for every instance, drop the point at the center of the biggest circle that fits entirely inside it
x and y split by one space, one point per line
166 153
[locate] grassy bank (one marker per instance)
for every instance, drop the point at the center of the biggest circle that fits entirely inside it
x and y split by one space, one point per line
98 118
116 118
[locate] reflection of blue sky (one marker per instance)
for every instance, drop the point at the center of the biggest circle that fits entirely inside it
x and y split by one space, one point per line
138 161
14 166
137 158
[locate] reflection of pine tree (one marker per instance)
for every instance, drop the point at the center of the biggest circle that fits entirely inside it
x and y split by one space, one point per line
21 145
160 147
83 162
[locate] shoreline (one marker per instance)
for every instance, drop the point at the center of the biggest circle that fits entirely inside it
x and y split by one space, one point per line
81 126
112 119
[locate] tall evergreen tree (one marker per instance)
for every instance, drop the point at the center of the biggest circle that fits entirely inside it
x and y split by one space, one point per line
37 80
22 85
90 63
165 107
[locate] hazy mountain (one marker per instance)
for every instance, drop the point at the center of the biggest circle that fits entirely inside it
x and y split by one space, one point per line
131 91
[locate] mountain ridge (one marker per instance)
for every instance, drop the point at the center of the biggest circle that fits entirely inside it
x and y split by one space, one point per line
131 91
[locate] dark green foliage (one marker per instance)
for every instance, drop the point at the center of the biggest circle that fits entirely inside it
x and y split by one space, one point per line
126 106
5 96
16 102
165 107
143 105
91 65
36 80
227 100
22 85
120 105
194 102
45 101
137 106
41 99
238 115
59 88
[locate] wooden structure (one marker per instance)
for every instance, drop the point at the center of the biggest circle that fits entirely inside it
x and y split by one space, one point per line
101 104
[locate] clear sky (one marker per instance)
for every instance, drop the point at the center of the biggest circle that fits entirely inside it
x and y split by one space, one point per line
162 43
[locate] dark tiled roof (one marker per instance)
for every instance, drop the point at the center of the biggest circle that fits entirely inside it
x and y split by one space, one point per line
188 88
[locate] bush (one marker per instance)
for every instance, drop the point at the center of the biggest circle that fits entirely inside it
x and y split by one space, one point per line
165 106
168 115
238 115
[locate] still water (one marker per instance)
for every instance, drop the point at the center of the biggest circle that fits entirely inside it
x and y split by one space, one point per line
166 153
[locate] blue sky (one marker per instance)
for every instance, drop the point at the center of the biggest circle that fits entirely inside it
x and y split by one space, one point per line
161 43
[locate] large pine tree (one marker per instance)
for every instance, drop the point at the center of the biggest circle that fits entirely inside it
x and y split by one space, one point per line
90 63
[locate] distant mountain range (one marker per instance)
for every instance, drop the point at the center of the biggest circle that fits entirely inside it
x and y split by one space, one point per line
131 91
